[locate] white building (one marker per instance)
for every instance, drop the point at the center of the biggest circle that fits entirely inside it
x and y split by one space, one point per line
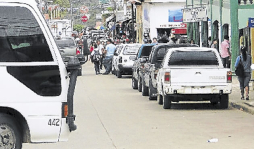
160 16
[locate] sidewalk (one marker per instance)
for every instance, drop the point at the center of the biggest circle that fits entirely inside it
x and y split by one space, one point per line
235 98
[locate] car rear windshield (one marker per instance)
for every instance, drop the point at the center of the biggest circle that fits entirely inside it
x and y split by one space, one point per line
146 51
65 43
193 58
131 50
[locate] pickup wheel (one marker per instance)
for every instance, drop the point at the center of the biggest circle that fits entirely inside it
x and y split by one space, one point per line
139 84
118 74
9 133
80 72
159 99
134 83
144 89
166 102
114 71
151 91
224 101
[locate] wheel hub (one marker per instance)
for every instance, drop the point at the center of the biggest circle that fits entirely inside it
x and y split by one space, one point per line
7 137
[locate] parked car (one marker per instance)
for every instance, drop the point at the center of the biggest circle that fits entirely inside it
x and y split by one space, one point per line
114 60
68 48
193 74
151 67
125 59
137 69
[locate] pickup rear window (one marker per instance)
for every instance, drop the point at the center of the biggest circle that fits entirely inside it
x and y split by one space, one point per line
193 58
146 51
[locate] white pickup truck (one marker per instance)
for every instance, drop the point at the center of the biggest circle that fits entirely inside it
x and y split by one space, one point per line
193 74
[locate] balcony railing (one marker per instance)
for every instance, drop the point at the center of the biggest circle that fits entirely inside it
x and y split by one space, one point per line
245 2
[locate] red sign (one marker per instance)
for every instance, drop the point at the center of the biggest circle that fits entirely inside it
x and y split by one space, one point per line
84 19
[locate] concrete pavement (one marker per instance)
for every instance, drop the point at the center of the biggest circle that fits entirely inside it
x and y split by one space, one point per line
235 98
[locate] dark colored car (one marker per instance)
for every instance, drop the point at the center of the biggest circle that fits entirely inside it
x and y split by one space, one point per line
151 67
138 66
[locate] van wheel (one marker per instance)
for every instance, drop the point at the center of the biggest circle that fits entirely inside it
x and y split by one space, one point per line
10 136
118 74
151 91
80 72
159 99
139 84
166 102
224 101
134 83
144 89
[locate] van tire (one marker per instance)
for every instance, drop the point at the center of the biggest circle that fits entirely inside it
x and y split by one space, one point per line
224 101
80 72
139 84
159 99
151 91
8 123
134 83
144 89
118 74
166 102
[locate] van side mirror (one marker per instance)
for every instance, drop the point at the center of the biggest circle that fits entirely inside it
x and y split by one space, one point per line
82 58
73 64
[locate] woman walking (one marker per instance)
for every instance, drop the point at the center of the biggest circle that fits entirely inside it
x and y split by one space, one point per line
244 81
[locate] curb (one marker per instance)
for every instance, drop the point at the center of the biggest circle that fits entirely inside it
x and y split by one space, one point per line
242 107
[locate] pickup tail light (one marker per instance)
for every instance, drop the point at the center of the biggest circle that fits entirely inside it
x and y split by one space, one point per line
167 77
77 51
64 110
229 77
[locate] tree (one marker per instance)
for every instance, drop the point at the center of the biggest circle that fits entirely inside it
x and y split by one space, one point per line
62 3
78 27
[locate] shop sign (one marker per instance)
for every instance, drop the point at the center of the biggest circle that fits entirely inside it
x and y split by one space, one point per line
251 22
178 25
194 14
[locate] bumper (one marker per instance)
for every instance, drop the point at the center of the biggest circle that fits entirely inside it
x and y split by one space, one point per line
169 90
125 68
65 131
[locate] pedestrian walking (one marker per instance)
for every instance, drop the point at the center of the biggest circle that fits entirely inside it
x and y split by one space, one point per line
225 53
95 58
245 60
101 48
155 40
107 61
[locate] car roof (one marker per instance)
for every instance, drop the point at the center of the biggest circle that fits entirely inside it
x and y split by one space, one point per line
175 45
194 49
29 2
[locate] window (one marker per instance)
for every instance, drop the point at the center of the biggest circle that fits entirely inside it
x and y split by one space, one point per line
21 37
146 51
161 53
131 50
193 58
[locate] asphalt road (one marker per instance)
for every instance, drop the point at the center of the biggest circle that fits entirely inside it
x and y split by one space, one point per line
111 115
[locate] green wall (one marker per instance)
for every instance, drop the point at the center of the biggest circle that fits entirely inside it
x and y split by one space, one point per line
243 15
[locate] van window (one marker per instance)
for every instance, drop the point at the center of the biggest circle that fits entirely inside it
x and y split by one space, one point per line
193 58
146 51
21 37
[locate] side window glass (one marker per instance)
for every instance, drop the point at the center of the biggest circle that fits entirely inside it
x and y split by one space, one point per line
21 37
161 53
151 54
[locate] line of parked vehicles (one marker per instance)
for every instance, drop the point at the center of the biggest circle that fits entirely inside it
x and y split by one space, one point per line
174 72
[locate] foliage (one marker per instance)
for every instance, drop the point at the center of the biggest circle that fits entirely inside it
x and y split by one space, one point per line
110 9
78 27
62 3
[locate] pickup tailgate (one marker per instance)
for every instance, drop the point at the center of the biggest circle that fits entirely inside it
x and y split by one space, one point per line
198 76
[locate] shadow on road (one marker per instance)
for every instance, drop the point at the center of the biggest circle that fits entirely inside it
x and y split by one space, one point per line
195 106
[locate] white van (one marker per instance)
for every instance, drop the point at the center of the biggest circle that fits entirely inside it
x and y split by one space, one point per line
36 103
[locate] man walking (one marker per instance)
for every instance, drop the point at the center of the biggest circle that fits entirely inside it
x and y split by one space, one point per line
101 49
224 52
109 51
